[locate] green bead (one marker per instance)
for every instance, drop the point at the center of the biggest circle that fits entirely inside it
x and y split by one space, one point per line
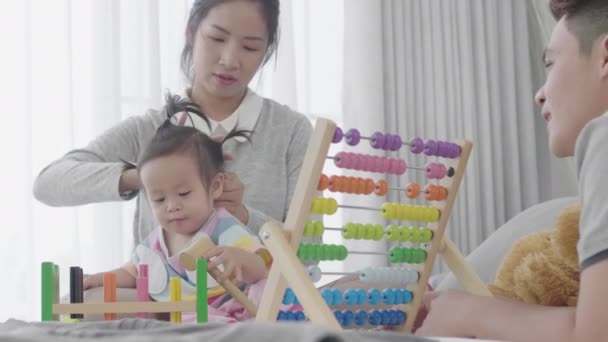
404 233
407 255
360 232
369 231
392 232
395 255
349 231
343 252
378 232
415 237
333 252
426 235
318 229
308 228
303 251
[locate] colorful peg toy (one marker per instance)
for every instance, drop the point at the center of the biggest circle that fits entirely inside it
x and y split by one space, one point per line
52 309
415 233
191 259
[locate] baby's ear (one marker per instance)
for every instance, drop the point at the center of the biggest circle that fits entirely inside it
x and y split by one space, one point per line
217 185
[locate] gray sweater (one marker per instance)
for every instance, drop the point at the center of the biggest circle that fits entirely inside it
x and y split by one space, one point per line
268 166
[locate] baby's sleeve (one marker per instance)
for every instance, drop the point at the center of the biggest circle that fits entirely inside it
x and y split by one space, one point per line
240 236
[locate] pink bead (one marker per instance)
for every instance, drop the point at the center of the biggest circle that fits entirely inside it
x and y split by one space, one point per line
377 164
352 160
357 161
394 166
435 170
386 164
340 160
402 167
369 163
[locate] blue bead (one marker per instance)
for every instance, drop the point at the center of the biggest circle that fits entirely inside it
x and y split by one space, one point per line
348 319
361 296
361 317
290 316
393 318
375 317
288 297
388 297
386 318
339 316
373 296
282 316
407 296
401 317
328 296
350 297
337 297
300 316
398 296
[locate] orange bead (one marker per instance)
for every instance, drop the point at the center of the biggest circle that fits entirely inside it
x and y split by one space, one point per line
434 192
370 186
361 186
381 187
323 182
334 183
412 190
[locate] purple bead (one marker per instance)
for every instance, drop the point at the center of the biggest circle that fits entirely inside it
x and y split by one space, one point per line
416 145
338 135
377 140
430 147
352 136
397 143
388 142
457 151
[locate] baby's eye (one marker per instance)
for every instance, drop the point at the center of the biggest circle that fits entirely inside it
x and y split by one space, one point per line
248 48
216 39
159 200
184 194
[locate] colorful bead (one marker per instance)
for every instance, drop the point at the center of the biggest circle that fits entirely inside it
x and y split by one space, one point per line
338 135
323 183
392 233
288 297
350 297
374 296
352 137
412 190
339 316
361 317
397 143
430 147
388 142
348 318
300 316
375 317
328 296
377 140
314 272
407 212
388 297
426 235
416 145
435 170
434 192
381 188
405 234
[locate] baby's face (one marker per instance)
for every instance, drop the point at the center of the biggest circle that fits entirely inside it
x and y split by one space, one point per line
180 201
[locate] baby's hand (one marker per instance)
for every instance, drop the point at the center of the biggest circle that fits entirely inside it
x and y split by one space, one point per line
91 281
239 264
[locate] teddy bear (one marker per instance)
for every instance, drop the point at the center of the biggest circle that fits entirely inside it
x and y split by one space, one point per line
542 268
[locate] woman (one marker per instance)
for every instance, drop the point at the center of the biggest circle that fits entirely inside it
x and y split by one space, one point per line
226 44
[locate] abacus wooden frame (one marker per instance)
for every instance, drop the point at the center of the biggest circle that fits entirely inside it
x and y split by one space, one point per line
283 240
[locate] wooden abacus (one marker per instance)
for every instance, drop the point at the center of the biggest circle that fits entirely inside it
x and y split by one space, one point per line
284 241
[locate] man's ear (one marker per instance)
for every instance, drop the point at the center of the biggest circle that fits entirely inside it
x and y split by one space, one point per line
604 56
217 185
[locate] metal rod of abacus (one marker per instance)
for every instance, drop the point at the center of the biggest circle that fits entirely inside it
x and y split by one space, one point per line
333 228
404 143
367 252
409 167
358 207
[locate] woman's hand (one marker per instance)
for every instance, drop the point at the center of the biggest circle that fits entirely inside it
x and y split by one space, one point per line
239 264
129 181
232 197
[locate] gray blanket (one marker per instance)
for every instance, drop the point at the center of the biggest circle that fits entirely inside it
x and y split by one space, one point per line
135 330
